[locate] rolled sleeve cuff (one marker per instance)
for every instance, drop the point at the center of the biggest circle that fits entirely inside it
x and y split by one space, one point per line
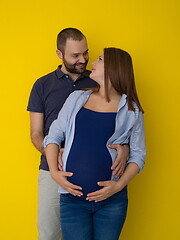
49 140
139 162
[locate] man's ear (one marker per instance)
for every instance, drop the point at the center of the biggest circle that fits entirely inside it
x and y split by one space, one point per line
59 53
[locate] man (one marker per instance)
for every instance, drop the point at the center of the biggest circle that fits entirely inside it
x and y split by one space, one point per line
46 99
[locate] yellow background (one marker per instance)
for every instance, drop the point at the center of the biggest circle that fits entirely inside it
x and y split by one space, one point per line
149 30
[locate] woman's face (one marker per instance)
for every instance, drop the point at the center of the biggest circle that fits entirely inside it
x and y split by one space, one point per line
97 73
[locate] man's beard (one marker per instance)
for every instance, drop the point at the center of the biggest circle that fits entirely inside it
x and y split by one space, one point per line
72 68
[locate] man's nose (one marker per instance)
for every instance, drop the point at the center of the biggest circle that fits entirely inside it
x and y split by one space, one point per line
82 59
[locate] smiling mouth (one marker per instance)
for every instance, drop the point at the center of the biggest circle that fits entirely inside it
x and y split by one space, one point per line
80 65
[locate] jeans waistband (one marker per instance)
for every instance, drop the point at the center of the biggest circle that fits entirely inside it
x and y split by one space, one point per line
118 194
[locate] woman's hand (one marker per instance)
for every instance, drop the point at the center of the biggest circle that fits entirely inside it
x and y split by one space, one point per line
112 187
119 165
109 188
60 178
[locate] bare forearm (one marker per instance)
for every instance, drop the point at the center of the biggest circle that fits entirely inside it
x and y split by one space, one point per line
36 130
52 152
37 139
130 172
112 187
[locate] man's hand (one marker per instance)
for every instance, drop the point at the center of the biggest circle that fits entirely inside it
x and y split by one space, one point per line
109 188
60 162
60 178
119 165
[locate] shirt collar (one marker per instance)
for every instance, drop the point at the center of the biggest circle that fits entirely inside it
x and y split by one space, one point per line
59 73
122 101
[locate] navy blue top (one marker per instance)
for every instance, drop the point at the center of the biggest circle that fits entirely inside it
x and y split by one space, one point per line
49 94
89 158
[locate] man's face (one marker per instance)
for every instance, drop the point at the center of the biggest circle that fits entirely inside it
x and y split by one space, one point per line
75 57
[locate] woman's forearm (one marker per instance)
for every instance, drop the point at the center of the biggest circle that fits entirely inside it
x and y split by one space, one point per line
112 187
52 151
130 172
60 177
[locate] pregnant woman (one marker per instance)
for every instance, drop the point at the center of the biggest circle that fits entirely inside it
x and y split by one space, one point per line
95 207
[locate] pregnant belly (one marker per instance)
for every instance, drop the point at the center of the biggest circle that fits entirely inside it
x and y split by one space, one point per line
89 169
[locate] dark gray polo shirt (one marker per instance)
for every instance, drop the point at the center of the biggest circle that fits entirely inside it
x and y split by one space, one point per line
49 93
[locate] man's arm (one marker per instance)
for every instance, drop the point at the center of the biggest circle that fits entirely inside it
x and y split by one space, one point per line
36 130
118 166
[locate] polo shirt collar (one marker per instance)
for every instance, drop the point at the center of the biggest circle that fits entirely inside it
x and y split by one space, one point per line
59 73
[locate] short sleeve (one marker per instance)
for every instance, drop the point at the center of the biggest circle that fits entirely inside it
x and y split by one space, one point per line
36 99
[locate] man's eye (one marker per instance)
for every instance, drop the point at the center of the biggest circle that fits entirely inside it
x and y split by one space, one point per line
75 56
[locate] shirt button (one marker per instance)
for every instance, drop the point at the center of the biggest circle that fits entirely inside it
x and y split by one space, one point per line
66 76
74 85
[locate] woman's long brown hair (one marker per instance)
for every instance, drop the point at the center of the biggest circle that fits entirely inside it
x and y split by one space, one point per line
118 68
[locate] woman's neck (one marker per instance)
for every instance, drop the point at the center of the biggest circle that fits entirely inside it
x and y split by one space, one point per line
98 101
113 94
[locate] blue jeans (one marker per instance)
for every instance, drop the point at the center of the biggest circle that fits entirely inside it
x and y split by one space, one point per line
85 220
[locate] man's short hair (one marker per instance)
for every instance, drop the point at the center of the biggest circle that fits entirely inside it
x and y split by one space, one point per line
68 33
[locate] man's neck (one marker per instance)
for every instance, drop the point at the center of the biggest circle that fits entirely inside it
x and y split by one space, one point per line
74 76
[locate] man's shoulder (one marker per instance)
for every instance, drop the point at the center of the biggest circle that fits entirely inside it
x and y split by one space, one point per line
46 77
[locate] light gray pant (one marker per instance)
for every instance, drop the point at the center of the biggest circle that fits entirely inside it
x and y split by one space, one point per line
48 208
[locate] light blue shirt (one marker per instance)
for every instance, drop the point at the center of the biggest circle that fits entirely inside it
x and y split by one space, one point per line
129 129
